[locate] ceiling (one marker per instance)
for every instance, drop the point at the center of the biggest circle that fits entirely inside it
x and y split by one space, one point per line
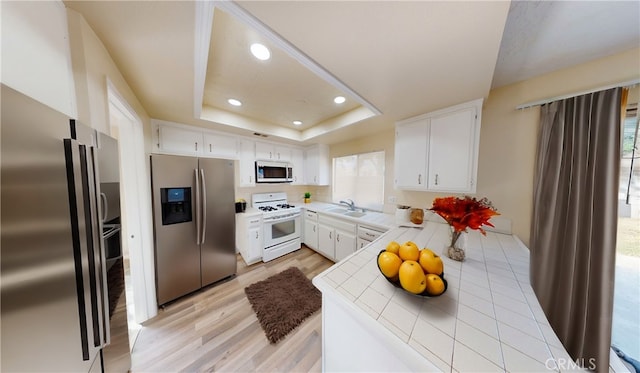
391 60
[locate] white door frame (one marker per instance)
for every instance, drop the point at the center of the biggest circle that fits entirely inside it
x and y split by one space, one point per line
141 260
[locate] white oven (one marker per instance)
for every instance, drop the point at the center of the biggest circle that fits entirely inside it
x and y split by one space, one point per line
281 224
279 229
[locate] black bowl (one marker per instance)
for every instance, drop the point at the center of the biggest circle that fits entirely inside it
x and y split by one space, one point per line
397 283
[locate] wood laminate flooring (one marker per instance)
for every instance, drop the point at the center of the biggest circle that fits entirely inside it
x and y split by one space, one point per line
216 329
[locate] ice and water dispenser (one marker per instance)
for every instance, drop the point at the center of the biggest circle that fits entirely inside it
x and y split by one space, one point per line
176 205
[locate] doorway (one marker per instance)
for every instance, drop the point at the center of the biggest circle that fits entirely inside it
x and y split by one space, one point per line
127 128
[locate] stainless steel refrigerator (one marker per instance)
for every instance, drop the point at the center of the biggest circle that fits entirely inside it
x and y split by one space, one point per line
53 267
194 223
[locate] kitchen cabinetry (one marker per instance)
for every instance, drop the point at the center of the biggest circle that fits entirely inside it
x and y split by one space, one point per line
311 229
366 235
411 154
174 138
249 236
439 151
272 152
220 146
246 163
297 164
316 165
336 238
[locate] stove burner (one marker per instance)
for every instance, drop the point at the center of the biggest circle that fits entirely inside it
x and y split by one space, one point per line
286 206
267 208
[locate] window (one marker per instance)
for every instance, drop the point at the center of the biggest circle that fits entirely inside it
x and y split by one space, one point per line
360 177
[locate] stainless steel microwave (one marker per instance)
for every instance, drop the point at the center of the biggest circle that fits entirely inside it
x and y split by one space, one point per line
273 172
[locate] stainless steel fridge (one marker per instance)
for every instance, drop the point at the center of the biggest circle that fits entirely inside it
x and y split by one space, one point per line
194 223
54 302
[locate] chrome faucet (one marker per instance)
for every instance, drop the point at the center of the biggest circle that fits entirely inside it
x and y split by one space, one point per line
350 203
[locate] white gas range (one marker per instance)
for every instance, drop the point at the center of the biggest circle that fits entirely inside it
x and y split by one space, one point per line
282 225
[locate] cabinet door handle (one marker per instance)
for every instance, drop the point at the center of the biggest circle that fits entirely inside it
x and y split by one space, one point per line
196 146
257 235
329 235
436 179
314 228
419 178
210 148
338 237
270 155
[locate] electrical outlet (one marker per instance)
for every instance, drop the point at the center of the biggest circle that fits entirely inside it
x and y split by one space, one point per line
392 199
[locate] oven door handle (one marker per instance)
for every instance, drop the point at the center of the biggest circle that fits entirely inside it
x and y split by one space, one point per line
276 219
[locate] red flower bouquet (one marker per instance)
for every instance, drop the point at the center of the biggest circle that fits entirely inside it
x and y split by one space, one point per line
463 213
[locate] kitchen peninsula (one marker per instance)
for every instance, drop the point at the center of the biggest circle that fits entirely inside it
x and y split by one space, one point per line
488 319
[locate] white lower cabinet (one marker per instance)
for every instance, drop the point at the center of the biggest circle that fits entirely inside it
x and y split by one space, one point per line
311 229
366 235
336 238
249 237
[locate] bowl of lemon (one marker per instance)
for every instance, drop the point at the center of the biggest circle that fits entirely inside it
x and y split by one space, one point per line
414 270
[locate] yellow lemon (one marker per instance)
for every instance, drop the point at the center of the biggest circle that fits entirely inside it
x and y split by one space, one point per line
389 264
435 285
409 251
393 247
430 262
412 277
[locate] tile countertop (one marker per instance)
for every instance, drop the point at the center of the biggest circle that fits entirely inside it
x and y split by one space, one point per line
488 319
371 218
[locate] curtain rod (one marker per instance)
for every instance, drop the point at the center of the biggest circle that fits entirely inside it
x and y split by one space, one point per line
552 99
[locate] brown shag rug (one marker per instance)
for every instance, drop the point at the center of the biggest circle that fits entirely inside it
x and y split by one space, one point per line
283 301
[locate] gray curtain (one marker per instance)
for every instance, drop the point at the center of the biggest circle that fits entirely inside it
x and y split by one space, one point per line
573 232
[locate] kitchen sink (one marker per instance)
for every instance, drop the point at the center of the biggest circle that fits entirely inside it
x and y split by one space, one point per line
338 210
347 212
355 214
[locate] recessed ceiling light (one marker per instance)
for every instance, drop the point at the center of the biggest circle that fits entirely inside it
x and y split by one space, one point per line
297 122
234 102
260 51
339 99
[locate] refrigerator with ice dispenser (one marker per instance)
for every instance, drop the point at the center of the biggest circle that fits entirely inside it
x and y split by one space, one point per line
194 223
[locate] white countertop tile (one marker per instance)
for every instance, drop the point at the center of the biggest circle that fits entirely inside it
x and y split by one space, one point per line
483 322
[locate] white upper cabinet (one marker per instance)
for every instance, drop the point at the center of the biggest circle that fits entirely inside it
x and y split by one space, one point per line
438 151
411 154
220 146
297 164
316 165
176 140
272 152
246 163
453 151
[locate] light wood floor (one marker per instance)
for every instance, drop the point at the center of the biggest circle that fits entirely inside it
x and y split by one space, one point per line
216 329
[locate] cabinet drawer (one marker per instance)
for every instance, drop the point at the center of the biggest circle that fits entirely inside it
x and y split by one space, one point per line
311 215
368 233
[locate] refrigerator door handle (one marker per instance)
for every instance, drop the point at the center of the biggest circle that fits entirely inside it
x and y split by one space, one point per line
197 206
204 207
105 206
78 233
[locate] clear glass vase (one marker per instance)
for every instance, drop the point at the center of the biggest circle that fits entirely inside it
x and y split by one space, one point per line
457 245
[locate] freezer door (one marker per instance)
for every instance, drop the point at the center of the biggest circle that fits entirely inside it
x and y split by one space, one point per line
219 220
177 252
42 328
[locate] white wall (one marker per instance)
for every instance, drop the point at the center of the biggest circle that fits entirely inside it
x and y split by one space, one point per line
508 138
35 53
